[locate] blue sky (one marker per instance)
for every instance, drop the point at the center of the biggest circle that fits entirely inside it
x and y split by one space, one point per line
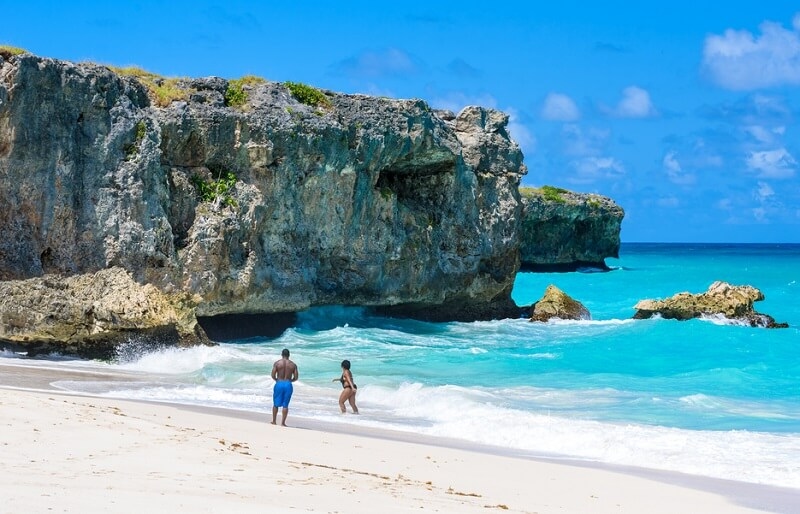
685 113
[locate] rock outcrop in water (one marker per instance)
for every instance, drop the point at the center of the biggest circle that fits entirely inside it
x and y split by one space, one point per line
555 303
721 299
564 231
272 206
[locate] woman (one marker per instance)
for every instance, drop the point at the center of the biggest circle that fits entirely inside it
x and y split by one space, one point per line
348 388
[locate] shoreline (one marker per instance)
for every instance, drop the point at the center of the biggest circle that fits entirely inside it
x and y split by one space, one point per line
346 463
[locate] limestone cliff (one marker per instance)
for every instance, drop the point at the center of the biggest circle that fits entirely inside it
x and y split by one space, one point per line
562 230
270 206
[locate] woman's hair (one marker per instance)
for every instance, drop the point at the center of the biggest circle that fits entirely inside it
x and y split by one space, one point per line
346 364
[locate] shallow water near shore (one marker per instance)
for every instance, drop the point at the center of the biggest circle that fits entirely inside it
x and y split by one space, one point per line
704 397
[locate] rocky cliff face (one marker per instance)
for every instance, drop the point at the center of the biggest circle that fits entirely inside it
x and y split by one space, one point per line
93 314
563 231
273 206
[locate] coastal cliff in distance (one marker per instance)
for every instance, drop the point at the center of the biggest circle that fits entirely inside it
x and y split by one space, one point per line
564 231
258 197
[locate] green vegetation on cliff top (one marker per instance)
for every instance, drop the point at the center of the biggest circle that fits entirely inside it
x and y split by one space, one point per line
236 95
7 51
550 193
164 91
308 95
556 195
594 203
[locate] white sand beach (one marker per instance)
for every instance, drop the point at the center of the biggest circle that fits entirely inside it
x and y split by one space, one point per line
67 453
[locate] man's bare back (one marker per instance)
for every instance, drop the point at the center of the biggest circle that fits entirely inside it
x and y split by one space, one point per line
284 369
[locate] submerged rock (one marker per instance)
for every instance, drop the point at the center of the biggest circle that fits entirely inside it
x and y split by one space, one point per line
564 231
730 301
555 303
90 315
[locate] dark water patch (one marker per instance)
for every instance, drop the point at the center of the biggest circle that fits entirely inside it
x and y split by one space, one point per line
228 327
566 267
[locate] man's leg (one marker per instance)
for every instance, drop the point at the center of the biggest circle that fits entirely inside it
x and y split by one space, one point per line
274 414
285 413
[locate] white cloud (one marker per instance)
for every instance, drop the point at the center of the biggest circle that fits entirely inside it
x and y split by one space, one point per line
760 214
635 103
765 135
771 107
675 172
740 60
559 107
671 164
760 134
592 169
578 142
776 164
764 196
520 133
764 191
523 137
704 156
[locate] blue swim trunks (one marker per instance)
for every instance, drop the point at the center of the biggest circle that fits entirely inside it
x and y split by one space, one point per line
282 393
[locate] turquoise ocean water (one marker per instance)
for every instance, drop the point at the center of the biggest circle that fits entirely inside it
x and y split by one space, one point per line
705 397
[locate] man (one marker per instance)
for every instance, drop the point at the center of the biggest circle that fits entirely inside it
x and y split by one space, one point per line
284 372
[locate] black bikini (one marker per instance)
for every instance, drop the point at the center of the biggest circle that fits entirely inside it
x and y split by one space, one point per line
344 383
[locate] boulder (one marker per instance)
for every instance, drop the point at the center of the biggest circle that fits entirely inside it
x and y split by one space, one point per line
555 303
91 315
730 301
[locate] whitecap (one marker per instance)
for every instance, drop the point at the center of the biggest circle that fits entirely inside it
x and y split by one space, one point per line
720 319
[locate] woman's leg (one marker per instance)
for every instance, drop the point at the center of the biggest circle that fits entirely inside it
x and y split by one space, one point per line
342 398
352 401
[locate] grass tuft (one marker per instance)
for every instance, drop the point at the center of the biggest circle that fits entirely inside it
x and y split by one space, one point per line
216 191
550 193
7 51
164 91
553 194
133 148
308 95
236 95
